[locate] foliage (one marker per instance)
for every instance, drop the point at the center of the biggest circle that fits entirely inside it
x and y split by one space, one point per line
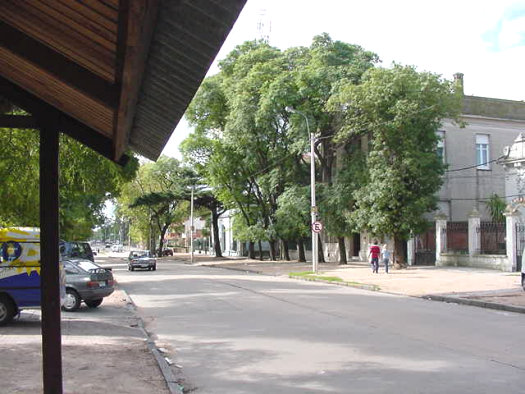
156 199
248 147
401 110
496 207
293 213
87 181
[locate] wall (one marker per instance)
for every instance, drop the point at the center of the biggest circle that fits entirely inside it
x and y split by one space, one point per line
461 190
489 261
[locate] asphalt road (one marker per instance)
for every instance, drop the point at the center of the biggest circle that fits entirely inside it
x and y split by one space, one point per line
243 333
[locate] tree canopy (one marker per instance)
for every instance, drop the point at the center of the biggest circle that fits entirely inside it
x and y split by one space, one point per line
87 181
400 110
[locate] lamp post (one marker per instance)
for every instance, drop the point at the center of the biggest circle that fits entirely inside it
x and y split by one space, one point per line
191 226
313 209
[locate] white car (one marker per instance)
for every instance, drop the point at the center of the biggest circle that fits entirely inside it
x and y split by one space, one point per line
116 248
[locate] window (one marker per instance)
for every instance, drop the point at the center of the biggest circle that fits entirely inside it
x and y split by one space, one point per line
440 149
482 152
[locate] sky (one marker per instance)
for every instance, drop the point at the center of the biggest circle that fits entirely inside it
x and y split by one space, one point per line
483 39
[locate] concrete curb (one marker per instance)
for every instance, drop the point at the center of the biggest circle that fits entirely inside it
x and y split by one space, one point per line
478 303
362 286
171 381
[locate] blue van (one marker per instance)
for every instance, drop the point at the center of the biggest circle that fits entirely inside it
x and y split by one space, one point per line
20 271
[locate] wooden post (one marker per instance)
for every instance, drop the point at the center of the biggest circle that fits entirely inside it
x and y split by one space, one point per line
49 259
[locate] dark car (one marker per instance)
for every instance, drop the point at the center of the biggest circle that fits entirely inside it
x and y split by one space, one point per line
141 259
86 281
76 250
165 252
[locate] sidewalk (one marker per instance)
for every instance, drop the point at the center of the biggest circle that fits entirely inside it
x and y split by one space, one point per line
103 350
472 286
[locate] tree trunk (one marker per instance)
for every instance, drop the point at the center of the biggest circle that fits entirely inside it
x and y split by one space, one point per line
320 250
215 227
342 250
163 231
398 258
260 251
251 250
286 250
300 249
273 256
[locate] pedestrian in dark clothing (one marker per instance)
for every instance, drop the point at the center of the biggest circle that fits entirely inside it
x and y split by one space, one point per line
373 254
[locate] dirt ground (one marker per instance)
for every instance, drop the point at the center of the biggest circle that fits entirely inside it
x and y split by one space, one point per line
103 351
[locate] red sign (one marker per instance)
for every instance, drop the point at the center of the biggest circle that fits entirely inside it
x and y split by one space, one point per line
317 227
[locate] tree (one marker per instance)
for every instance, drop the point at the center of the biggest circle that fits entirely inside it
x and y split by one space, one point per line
157 198
87 181
401 110
206 199
293 217
336 200
496 207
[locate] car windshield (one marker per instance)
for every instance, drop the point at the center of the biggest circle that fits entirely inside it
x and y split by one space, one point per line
140 253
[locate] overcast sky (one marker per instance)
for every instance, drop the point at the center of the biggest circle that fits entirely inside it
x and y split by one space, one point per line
483 39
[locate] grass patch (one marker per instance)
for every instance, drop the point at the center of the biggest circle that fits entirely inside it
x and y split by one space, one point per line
311 276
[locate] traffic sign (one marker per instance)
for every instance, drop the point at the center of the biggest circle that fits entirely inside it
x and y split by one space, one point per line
317 227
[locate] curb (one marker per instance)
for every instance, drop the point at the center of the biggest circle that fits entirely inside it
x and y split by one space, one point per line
477 303
171 381
362 286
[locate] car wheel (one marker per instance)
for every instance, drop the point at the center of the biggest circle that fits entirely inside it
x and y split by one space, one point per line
94 303
155 268
7 310
131 268
72 302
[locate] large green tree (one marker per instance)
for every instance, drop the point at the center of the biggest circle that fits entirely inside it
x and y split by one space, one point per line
157 198
87 181
253 149
400 109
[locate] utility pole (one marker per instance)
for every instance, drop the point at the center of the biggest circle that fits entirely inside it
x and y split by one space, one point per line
191 226
313 209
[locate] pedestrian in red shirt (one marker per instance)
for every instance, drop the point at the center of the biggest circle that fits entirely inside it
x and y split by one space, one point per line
373 255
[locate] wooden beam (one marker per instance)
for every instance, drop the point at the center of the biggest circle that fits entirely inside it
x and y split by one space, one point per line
49 257
65 123
59 66
136 25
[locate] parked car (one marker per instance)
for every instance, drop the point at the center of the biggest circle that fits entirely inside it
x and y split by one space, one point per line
76 250
117 248
86 281
165 252
141 259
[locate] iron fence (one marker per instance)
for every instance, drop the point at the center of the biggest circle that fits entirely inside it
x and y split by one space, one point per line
457 237
492 238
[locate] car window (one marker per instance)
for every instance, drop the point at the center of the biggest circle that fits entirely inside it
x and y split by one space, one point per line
75 250
140 253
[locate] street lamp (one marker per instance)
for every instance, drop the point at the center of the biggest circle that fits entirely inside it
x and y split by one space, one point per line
313 210
191 225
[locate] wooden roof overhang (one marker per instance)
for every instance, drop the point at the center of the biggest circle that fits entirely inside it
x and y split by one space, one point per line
114 74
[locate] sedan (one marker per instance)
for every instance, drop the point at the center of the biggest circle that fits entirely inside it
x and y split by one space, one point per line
86 281
141 259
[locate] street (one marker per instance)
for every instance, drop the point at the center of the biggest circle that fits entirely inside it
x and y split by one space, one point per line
234 332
